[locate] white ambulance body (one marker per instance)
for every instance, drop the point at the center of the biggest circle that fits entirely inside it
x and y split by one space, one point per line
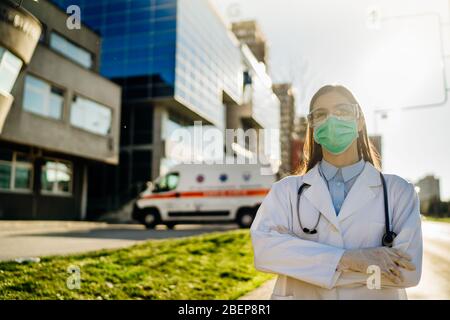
204 193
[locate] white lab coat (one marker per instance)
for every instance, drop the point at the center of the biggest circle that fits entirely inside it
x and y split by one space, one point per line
306 264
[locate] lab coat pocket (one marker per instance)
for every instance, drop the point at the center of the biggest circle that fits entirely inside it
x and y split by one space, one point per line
281 297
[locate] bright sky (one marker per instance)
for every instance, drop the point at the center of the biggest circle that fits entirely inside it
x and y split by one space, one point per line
389 64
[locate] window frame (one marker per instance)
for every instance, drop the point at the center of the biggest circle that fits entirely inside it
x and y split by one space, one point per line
70 165
6 54
110 131
12 180
52 86
66 56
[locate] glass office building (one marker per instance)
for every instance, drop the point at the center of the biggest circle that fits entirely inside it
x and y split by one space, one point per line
138 42
208 61
175 49
176 62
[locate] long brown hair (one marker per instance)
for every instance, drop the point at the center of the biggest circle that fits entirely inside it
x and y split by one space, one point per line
312 151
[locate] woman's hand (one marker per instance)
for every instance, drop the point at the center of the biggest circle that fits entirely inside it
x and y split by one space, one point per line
389 260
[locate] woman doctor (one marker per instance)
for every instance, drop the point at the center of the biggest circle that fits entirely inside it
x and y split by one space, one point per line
327 242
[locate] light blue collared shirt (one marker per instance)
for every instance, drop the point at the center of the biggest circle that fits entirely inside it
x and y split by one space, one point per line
340 180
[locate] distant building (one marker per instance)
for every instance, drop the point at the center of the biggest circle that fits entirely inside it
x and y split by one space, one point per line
287 116
248 32
260 107
64 119
429 189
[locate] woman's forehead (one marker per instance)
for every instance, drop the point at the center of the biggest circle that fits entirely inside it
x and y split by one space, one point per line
330 99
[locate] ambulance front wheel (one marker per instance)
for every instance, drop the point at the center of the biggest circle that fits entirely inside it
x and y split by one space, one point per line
245 217
151 219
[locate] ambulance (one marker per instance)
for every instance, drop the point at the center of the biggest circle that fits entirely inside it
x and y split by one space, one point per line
204 193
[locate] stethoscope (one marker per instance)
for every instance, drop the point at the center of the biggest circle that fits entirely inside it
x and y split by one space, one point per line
388 237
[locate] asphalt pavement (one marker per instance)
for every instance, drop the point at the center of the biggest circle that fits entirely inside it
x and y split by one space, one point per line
26 239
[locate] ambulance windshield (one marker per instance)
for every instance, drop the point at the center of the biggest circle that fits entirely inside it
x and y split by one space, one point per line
167 182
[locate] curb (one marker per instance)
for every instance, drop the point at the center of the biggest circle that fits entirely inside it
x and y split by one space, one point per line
263 292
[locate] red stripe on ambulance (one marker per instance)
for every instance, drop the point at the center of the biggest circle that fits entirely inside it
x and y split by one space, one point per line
210 193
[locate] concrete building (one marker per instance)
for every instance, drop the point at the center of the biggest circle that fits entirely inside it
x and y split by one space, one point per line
285 93
19 35
259 108
249 32
177 63
64 119
429 189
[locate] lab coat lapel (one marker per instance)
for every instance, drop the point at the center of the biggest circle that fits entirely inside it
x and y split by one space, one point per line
361 191
319 195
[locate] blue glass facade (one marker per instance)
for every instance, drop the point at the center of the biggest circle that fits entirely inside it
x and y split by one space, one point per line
167 48
208 61
138 43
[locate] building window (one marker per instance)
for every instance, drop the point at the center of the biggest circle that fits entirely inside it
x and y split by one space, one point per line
71 50
10 67
90 116
42 98
247 78
43 33
56 177
16 171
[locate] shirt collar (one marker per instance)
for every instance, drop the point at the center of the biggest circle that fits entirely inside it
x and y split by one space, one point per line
348 172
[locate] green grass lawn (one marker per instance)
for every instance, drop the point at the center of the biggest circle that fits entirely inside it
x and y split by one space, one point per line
213 266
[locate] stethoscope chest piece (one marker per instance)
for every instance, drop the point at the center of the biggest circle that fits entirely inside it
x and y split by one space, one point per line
388 239
309 231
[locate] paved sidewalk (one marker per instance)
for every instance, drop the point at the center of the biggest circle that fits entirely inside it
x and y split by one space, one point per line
261 293
23 239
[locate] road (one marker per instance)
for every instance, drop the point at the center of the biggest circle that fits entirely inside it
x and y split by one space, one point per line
23 239
435 281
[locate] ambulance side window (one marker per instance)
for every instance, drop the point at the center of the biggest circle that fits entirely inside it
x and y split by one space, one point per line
167 183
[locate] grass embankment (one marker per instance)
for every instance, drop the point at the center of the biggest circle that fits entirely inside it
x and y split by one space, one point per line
212 266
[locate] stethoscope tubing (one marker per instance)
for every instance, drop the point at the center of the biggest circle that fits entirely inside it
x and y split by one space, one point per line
388 237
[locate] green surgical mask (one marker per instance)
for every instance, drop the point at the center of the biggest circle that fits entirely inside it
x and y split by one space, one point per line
336 135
